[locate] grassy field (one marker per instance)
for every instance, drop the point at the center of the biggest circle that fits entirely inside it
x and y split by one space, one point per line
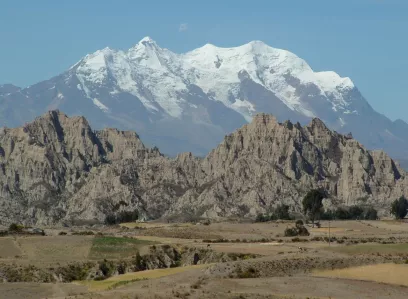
8 248
384 273
116 247
43 251
121 280
370 248
153 224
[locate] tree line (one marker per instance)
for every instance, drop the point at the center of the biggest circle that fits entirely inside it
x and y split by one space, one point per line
312 205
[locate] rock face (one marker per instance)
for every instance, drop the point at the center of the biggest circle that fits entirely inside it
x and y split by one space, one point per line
58 170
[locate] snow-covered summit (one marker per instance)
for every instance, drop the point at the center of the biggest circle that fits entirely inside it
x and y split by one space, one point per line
217 71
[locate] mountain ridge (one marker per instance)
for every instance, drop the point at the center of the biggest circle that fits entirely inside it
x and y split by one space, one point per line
190 101
57 169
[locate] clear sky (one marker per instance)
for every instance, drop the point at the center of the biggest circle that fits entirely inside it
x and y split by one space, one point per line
366 40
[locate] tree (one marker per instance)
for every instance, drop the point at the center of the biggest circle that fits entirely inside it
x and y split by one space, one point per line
342 214
282 212
356 212
15 228
312 204
370 214
399 208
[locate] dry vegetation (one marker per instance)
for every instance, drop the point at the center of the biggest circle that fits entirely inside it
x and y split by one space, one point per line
365 259
384 273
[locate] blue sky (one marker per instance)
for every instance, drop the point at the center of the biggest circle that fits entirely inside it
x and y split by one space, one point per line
365 40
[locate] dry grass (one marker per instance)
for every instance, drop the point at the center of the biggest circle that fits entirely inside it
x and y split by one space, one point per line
326 230
385 273
135 276
55 248
153 224
370 248
8 248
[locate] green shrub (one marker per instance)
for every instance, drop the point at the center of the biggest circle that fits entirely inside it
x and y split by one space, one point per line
370 214
15 228
291 232
282 212
107 268
302 231
75 271
399 208
122 217
261 218
140 262
299 223
341 214
355 212
327 215
250 272
299 230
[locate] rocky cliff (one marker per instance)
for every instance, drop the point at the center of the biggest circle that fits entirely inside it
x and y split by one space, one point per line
56 169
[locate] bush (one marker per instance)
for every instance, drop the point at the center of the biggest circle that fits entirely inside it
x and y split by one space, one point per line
261 218
341 214
298 230
348 213
282 212
206 222
327 215
251 272
399 208
15 228
370 214
291 232
355 212
121 217
140 262
62 233
299 223
302 231
107 268
76 271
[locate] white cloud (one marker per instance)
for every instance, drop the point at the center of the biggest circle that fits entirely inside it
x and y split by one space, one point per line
183 27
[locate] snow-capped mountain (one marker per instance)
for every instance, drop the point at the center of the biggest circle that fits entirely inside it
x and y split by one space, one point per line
188 102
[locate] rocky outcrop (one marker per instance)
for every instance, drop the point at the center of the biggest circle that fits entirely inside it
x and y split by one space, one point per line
57 169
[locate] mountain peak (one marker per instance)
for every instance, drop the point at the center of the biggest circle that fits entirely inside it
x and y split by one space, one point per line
147 39
8 88
257 43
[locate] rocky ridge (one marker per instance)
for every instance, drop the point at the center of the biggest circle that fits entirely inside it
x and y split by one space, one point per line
56 169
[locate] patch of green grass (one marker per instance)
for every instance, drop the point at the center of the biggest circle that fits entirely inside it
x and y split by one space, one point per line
372 248
116 247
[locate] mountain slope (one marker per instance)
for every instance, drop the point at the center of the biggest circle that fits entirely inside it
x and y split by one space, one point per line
188 102
57 169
